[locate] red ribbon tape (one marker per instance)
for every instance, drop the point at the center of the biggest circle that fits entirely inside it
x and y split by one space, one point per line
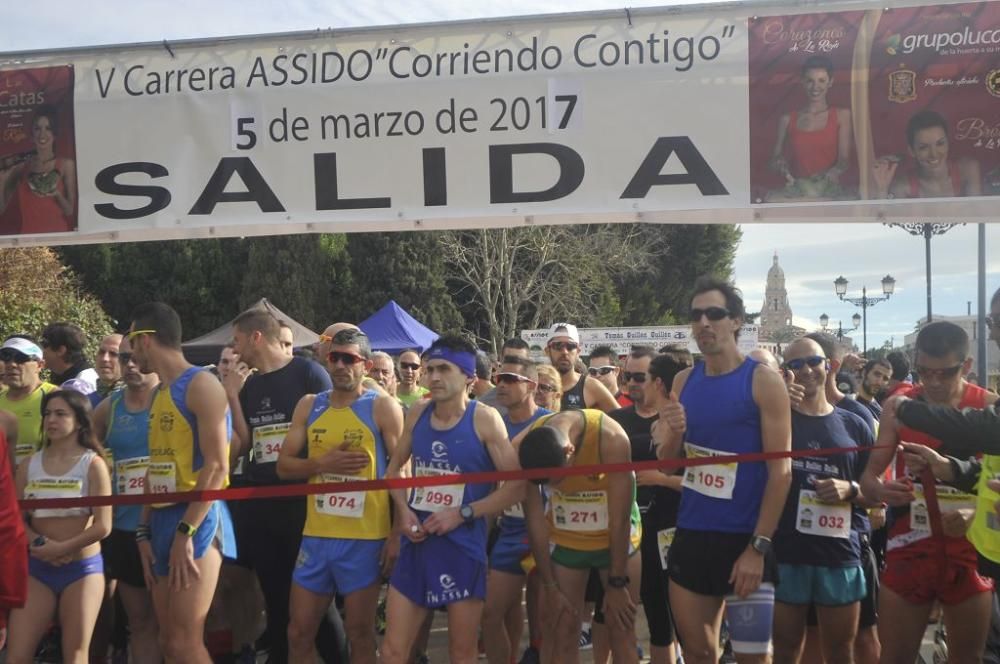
290 490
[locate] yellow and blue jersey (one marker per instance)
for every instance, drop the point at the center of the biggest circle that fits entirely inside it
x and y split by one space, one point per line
360 515
175 458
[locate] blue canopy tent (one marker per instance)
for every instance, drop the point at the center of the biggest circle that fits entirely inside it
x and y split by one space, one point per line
393 330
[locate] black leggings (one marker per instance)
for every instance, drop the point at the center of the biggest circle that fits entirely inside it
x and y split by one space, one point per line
272 533
653 591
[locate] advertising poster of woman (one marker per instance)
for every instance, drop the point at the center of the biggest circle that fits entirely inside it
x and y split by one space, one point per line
934 93
38 186
801 135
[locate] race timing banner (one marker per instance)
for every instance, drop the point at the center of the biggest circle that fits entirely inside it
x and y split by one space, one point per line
668 115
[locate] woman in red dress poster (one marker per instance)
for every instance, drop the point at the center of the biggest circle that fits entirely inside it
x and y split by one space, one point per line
934 174
814 142
44 184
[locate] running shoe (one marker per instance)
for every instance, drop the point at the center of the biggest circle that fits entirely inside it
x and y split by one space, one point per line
586 643
530 656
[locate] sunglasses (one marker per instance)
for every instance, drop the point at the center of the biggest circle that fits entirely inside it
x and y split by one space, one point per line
347 359
509 378
548 389
603 371
17 357
564 345
124 357
638 376
947 372
412 366
712 313
799 362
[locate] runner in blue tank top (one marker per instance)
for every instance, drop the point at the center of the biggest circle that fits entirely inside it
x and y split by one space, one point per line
721 554
122 422
516 382
442 560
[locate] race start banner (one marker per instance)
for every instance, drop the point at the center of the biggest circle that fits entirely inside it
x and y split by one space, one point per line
671 115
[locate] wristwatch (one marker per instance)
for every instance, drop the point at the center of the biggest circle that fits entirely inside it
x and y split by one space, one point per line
185 528
468 514
618 581
761 544
855 490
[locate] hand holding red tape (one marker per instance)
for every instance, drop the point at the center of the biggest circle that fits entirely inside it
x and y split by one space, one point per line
287 490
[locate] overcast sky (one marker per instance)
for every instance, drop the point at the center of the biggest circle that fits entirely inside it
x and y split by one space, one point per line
812 255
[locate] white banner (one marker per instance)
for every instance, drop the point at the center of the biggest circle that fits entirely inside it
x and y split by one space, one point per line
612 116
622 339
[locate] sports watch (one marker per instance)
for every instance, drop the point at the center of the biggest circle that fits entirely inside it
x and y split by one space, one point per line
468 514
185 528
761 544
618 581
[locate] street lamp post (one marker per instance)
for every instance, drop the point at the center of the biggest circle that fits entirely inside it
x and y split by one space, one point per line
824 323
888 287
928 231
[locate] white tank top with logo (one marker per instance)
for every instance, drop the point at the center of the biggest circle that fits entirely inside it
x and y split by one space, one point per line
73 484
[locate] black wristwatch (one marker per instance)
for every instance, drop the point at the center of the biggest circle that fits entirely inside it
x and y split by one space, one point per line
761 544
468 514
618 581
855 491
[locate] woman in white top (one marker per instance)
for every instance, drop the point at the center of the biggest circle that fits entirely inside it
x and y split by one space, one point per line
66 571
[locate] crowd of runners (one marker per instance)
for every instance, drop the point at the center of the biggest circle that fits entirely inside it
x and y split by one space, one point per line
872 512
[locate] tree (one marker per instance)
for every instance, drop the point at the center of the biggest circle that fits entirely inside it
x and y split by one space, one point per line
406 267
517 278
201 279
306 276
36 289
679 254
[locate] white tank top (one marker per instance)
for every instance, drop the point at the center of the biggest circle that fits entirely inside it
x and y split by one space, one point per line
74 484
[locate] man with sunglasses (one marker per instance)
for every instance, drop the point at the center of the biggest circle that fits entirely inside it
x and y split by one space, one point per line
721 556
867 641
835 352
121 423
603 365
513 347
409 391
819 540
442 560
21 362
658 494
929 557
269 529
516 380
341 435
579 390
182 544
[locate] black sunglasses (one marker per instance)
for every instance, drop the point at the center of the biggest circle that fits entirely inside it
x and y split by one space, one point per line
712 313
638 376
15 356
799 362
947 372
564 345
347 359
